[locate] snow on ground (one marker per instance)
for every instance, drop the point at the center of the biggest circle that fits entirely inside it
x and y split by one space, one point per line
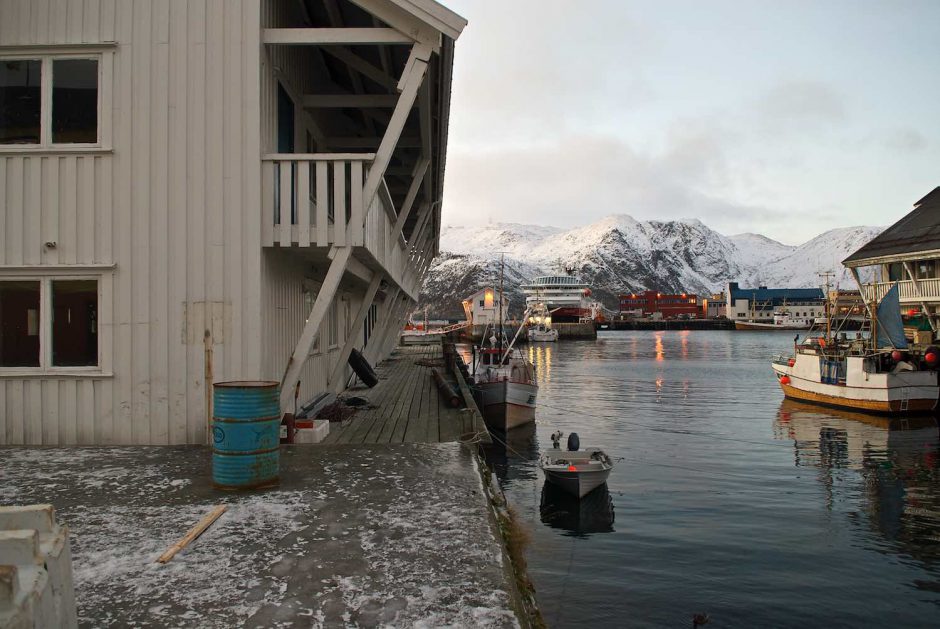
381 535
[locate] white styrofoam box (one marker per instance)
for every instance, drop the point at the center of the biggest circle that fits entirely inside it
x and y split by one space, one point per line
321 428
36 588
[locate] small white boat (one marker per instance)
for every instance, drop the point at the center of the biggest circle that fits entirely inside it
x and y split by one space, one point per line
540 334
576 471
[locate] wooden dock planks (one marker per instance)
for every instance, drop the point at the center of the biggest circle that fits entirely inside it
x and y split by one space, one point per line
408 406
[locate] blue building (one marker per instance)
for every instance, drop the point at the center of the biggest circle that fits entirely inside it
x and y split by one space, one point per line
759 303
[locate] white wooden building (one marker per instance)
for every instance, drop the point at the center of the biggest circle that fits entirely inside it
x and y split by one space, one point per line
482 308
205 190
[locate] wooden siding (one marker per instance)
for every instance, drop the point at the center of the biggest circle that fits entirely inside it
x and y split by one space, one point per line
171 200
284 278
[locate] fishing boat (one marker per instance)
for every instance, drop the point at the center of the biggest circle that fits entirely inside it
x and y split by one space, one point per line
540 330
505 388
576 470
879 373
504 384
783 319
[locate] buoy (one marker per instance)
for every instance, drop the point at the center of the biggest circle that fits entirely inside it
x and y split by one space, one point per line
572 468
791 362
912 312
931 358
785 380
896 356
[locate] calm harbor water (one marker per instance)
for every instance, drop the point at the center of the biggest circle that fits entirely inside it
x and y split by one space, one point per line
729 500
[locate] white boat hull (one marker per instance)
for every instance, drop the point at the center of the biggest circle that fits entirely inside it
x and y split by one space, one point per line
577 472
890 393
506 404
543 336
578 484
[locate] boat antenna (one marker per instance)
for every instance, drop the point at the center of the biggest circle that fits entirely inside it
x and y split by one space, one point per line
827 277
502 266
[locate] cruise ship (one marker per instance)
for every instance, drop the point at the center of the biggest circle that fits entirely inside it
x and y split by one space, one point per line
567 298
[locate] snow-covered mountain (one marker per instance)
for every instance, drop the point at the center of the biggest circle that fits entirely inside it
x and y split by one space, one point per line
620 254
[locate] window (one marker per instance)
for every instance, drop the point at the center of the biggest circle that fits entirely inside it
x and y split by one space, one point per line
49 324
19 324
49 100
332 325
20 101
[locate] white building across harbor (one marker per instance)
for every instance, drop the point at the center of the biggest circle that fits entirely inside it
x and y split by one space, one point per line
195 191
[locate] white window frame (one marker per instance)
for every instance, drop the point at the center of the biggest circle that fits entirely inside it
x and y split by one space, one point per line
46 368
103 54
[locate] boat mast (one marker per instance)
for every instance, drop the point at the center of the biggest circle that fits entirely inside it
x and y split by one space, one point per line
502 265
827 275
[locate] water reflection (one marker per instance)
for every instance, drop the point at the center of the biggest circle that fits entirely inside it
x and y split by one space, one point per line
888 466
592 514
512 454
541 356
660 356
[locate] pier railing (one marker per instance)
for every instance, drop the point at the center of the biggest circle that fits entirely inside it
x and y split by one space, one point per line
929 289
316 200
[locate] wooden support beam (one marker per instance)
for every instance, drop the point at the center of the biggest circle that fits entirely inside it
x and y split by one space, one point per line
336 381
410 83
405 142
360 270
312 327
362 66
379 333
333 36
355 101
417 176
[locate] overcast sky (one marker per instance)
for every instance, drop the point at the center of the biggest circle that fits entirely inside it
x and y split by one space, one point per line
785 118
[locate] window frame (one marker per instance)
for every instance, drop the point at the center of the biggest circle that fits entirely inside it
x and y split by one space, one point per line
46 368
46 56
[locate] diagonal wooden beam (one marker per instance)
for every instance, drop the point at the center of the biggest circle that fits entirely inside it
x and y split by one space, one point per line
417 176
410 83
312 327
336 382
361 66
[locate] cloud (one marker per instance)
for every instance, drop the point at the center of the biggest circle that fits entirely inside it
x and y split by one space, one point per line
905 140
801 104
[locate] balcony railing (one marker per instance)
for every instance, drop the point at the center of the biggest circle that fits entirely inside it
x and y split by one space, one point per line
316 200
929 290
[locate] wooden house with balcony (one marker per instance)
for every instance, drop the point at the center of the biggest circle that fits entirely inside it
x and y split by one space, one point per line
907 253
203 190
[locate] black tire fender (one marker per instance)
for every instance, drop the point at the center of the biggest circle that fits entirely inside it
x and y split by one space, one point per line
362 368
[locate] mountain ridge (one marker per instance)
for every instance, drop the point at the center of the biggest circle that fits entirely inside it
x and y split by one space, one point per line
619 253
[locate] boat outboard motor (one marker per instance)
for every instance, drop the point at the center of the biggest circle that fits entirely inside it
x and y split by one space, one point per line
573 442
556 438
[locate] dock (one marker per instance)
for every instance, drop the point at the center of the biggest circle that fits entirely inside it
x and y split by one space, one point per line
405 406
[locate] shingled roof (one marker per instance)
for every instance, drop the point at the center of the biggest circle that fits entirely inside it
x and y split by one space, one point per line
917 232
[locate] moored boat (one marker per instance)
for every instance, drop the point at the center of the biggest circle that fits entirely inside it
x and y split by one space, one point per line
577 472
782 320
540 330
879 374
505 388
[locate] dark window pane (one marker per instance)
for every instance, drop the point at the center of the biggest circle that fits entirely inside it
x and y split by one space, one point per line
74 101
19 324
20 101
74 323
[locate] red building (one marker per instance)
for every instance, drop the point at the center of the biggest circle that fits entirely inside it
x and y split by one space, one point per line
669 306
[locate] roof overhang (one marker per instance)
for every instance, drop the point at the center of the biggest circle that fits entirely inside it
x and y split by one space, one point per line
911 256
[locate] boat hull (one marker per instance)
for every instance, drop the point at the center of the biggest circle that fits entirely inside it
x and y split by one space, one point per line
538 336
748 325
889 394
506 404
577 484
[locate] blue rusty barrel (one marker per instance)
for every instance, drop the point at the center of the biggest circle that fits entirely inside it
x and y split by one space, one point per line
246 422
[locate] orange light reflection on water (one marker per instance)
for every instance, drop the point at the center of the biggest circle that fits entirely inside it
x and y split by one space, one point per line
660 357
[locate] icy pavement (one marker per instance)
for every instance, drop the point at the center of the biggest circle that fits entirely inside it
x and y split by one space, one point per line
394 535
